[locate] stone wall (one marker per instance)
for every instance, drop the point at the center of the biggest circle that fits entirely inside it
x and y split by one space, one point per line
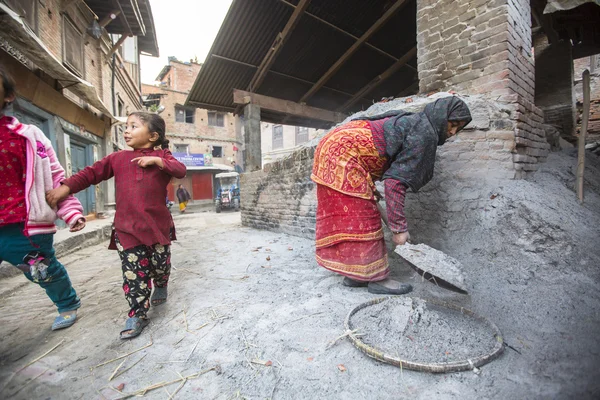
281 197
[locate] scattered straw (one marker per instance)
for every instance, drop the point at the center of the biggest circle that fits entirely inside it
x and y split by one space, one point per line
131 366
345 334
143 391
40 357
116 369
124 355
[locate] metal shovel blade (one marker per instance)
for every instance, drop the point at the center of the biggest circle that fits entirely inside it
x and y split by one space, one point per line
433 265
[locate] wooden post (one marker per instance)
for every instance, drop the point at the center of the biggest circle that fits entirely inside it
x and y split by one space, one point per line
581 141
253 152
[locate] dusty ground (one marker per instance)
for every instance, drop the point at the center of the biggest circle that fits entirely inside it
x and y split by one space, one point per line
540 284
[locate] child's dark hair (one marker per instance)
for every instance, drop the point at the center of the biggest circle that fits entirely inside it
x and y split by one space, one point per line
8 84
154 123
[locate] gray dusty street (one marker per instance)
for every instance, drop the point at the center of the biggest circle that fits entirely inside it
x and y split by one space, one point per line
253 313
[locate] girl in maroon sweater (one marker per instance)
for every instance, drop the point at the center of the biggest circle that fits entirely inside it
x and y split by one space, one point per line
143 227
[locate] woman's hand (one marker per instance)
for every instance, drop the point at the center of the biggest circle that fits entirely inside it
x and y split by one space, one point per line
79 225
54 196
400 238
147 161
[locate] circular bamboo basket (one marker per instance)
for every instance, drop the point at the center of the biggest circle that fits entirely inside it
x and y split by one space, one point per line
442 367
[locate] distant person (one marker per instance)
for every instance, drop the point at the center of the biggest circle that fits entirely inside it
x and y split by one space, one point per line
397 147
28 167
183 196
143 228
237 168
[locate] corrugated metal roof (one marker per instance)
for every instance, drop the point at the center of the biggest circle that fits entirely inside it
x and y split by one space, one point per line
324 33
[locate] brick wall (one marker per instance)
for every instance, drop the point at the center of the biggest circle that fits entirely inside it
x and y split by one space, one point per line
282 197
484 47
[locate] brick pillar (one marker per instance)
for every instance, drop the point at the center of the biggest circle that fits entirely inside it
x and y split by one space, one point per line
554 84
484 47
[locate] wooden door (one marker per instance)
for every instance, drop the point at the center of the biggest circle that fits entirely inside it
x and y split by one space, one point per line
202 186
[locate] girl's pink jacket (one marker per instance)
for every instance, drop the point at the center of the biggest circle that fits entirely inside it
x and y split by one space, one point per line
43 173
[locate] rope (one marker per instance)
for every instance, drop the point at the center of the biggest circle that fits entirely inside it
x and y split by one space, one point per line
443 367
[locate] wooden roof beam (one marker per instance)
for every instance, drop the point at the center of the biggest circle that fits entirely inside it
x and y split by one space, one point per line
346 56
110 17
380 78
337 28
286 107
122 17
275 49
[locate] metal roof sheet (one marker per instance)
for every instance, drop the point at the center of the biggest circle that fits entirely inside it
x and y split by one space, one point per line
323 34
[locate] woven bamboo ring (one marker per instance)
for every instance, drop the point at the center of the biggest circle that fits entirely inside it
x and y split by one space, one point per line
444 367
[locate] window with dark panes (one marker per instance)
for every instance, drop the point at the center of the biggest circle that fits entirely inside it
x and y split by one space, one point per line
183 114
181 148
301 134
217 151
72 47
277 137
216 119
27 9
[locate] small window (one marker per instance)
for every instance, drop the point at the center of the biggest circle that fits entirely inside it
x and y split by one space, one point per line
72 47
182 148
216 119
301 134
183 114
277 137
217 151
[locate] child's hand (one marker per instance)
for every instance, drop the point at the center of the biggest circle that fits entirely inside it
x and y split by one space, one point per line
79 225
57 194
147 161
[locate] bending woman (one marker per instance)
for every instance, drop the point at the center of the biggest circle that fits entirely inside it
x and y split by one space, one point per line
396 147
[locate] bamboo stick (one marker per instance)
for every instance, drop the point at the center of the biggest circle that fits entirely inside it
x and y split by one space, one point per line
581 141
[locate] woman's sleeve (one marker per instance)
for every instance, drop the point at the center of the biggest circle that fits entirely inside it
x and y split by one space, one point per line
395 191
92 175
172 166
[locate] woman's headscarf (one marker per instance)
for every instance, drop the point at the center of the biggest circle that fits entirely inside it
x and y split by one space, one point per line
412 139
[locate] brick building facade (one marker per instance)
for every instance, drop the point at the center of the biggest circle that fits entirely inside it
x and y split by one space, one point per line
72 84
206 141
278 141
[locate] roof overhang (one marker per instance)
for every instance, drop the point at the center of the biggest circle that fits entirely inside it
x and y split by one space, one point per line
19 35
133 18
339 56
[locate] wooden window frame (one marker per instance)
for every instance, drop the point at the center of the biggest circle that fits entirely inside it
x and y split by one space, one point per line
277 143
301 133
72 68
187 112
216 115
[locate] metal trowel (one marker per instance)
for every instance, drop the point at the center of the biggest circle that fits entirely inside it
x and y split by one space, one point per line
446 274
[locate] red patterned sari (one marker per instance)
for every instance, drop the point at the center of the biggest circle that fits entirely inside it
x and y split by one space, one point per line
349 233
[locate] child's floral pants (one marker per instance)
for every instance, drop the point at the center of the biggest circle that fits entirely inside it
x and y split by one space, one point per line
141 265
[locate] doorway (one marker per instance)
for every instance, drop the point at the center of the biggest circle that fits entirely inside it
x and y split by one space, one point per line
81 158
